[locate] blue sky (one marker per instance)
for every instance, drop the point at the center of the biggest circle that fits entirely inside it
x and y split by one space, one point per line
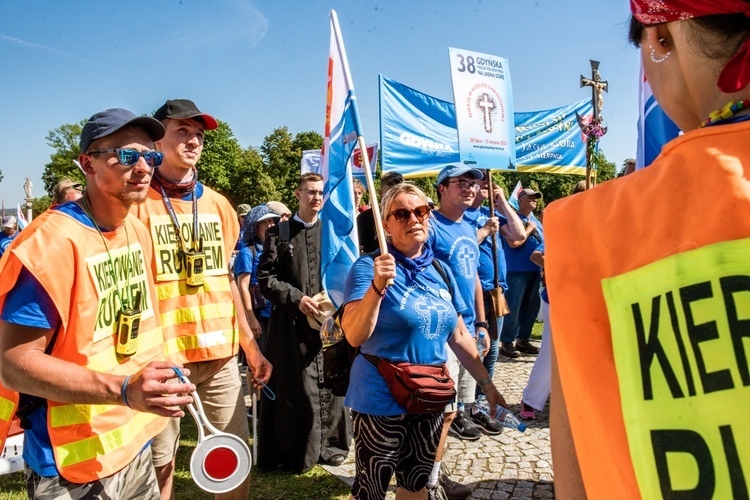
259 65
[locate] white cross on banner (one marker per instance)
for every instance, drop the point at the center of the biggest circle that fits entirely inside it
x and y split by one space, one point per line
483 99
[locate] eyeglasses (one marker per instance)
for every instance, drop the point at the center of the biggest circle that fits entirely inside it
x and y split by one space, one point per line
464 185
129 157
403 215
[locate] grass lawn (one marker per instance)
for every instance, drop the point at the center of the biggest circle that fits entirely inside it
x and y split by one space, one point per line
315 484
536 331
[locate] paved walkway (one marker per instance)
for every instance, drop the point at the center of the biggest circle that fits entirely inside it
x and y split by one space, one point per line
510 465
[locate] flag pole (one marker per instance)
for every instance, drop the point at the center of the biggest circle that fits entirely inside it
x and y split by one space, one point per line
361 140
490 191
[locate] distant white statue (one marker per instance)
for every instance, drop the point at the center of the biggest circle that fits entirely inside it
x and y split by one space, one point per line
27 187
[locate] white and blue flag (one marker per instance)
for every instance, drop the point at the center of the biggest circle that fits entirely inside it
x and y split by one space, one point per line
340 245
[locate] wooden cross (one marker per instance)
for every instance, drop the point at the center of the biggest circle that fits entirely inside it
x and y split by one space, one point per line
597 87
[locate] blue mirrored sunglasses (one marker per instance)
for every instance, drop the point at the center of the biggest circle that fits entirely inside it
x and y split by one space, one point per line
129 157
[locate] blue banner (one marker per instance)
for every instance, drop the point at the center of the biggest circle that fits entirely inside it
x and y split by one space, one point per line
551 140
417 132
418 135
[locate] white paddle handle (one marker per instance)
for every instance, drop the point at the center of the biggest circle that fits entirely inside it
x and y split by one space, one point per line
196 410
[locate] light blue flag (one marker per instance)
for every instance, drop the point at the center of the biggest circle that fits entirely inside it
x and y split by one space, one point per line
551 140
418 135
340 245
417 131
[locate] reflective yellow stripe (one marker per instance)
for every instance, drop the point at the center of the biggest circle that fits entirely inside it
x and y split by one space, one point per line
108 359
102 444
6 409
174 289
197 313
201 340
60 416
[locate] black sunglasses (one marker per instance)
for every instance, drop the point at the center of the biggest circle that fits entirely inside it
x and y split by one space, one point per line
403 215
129 157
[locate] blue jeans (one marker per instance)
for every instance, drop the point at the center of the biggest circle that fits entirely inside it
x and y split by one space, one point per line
523 301
491 358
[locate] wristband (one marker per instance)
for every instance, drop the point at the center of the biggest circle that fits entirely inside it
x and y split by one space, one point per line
379 292
482 383
482 324
124 392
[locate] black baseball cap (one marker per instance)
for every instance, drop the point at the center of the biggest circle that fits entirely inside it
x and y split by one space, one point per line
110 121
181 109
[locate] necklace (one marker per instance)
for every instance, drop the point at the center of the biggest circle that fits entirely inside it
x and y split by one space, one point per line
729 110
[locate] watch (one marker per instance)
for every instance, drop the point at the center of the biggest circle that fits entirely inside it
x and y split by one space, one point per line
482 383
482 324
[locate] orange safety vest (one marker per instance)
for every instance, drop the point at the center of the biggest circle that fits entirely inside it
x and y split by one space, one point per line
649 281
199 322
69 261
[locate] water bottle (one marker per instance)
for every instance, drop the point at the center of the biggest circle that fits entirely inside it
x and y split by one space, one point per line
503 416
330 331
481 343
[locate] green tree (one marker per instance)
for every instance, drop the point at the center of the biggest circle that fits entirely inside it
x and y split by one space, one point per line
64 142
282 154
250 182
40 205
282 163
220 160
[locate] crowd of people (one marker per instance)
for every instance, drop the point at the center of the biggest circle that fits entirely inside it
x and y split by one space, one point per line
143 272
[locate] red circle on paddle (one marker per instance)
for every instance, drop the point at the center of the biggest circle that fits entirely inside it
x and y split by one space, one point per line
220 463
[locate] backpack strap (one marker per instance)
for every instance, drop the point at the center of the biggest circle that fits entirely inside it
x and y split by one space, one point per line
441 271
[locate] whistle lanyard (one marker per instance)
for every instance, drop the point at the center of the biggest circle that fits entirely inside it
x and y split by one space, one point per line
176 223
123 304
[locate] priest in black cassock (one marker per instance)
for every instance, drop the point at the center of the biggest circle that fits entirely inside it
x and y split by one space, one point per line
305 424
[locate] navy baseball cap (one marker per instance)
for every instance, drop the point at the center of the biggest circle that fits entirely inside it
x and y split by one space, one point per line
457 171
182 109
110 121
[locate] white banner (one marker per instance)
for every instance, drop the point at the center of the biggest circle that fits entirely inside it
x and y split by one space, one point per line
483 97
310 161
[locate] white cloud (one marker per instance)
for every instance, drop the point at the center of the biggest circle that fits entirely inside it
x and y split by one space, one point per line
37 46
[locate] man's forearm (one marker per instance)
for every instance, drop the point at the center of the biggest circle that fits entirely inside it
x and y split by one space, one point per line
26 368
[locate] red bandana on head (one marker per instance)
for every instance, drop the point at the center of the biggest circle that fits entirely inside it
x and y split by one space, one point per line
736 74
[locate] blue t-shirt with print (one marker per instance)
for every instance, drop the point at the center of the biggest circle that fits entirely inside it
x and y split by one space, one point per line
455 243
477 217
247 262
415 320
517 259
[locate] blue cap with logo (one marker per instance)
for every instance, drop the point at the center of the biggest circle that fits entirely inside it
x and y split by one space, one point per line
457 171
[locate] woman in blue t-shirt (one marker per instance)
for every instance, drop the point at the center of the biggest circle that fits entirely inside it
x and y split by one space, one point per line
256 223
408 321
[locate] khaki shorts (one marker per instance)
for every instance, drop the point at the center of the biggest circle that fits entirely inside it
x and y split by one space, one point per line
466 386
136 480
220 389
